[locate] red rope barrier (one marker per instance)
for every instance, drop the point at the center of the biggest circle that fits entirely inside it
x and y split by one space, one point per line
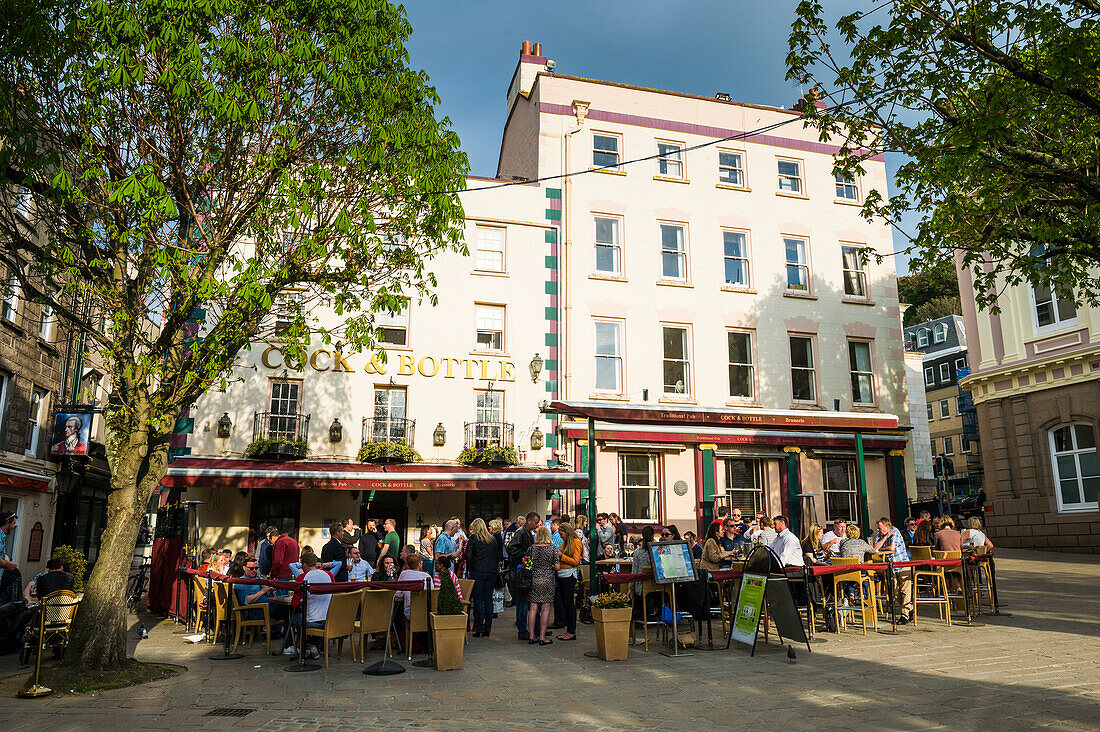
622 578
321 588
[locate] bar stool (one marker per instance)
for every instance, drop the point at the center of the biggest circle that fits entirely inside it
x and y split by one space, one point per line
649 587
982 582
937 584
867 602
957 573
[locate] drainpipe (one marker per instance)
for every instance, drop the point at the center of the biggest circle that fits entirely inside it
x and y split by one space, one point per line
565 375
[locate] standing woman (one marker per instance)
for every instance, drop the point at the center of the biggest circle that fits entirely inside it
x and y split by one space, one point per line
544 567
582 533
483 564
427 547
571 556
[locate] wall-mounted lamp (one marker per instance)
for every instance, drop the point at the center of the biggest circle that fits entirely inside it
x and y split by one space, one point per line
244 493
224 425
515 496
836 405
536 368
439 436
536 439
645 395
335 431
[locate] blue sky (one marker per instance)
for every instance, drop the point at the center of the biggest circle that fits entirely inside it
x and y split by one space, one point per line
469 48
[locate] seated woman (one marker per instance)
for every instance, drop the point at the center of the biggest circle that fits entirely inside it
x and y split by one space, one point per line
387 570
923 535
853 546
973 537
812 551
948 538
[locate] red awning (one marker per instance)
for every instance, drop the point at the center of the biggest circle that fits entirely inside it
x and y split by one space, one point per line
301 475
12 478
727 417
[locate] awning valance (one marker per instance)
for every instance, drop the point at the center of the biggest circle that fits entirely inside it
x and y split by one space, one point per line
234 473
13 478
725 417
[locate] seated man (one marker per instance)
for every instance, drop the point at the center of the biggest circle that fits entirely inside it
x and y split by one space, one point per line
316 605
830 542
412 571
53 579
358 568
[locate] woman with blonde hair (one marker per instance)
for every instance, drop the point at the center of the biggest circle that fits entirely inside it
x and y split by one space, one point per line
973 536
428 534
544 567
812 550
570 560
482 563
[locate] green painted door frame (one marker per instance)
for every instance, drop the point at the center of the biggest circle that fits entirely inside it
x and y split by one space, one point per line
794 487
865 509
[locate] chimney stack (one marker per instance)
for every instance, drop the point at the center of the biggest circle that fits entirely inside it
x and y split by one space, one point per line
525 49
537 50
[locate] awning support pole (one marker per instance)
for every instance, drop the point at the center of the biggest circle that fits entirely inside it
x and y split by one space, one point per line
865 508
593 540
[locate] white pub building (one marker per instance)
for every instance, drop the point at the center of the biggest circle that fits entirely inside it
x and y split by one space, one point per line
706 307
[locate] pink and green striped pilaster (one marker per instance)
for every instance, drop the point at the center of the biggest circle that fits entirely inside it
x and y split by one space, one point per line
553 237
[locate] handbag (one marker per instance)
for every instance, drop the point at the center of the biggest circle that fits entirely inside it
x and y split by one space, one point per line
525 578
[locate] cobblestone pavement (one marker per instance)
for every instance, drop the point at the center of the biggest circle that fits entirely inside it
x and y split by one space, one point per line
1034 668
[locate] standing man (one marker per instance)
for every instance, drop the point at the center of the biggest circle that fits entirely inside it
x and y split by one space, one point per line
391 545
720 517
888 538
605 532
370 543
523 540
620 530
334 550
445 545
11 581
351 534
284 553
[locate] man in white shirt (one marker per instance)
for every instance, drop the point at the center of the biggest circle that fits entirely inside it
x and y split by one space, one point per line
316 605
830 542
358 568
786 544
412 571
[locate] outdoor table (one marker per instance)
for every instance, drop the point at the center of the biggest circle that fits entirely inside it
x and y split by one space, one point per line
616 561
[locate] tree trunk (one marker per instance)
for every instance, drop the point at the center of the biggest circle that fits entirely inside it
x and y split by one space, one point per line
98 638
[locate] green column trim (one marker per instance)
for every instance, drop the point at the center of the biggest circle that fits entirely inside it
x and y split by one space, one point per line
708 475
794 487
901 496
584 468
861 470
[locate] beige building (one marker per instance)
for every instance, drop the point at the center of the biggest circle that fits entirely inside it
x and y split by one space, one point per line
1036 385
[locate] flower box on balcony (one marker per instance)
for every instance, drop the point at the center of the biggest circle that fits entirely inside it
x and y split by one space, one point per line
277 449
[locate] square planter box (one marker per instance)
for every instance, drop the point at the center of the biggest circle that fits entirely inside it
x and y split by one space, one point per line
612 632
448 638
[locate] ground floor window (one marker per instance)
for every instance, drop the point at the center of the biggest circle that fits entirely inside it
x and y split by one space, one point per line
841 500
744 485
638 489
1076 471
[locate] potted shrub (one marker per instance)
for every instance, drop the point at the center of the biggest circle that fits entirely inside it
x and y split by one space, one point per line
448 625
387 452
489 455
612 613
262 448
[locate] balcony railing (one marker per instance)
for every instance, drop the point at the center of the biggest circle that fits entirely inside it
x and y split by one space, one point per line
394 431
486 434
280 427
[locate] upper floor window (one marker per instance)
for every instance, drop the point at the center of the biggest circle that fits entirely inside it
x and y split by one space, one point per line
929 376
605 150
945 408
945 372
489 428
673 252
731 168
939 333
609 356
790 175
846 188
1076 472
677 360
393 328
1053 308
798 264
931 416
10 307
855 275
287 309
284 408
948 446
608 247
34 422
24 201
490 249
45 323
859 364
736 252
922 337
740 364
803 377
389 415
670 159
490 327
960 363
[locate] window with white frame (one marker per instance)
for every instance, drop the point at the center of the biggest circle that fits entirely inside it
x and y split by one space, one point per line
948 446
605 150
790 175
803 376
939 333
489 429
957 410
855 273
798 264
744 485
638 487
960 363
1076 471
670 159
608 246
45 323
38 412
859 364
284 407
931 413
490 249
287 309
841 499
24 202
609 356
735 249
731 168
846 188
739 346
929 376
922 337
389 415
10 307
964 444
677 360
393 327
945 372
1053 308
673 252
945 409
490 327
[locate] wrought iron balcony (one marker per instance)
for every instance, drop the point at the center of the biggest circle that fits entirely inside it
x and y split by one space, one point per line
487 434
280 427
394 431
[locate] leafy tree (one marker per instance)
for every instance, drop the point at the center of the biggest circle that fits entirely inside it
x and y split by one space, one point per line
937 307
188 162
996 105
929 283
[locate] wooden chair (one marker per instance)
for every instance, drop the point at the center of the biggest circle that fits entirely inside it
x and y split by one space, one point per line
868 603
198 597
375 609
934 581
221 607
418 621
242 621
957 574
982 582
586 581
339 623
60 608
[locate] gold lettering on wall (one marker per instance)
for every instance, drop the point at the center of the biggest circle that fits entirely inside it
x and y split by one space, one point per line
341 363
435 366
447 363
266 356
469 366
375 366
405 365
326 360
506 371
313 358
